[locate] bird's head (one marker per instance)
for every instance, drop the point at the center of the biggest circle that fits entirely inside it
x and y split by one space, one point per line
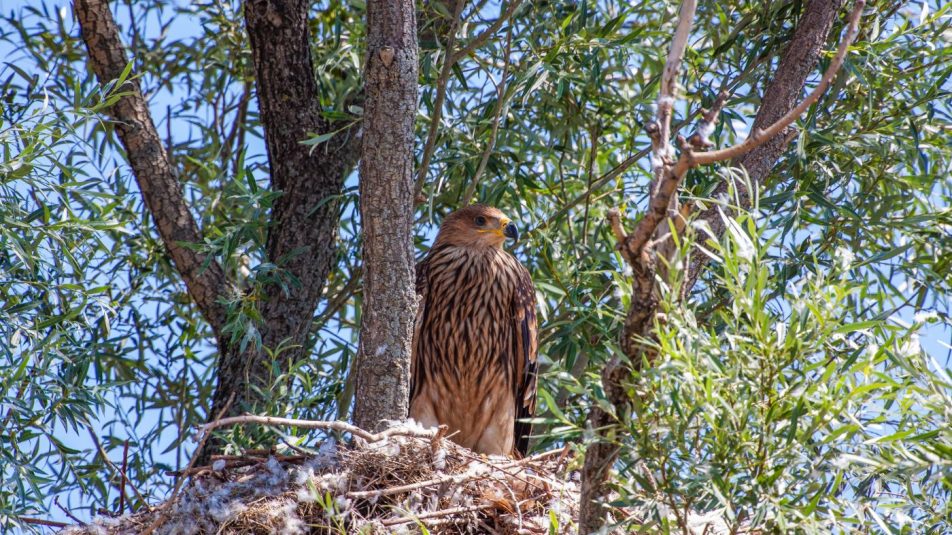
477 226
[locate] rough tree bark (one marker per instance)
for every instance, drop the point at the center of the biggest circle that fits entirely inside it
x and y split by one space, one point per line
781 96
160 188
386 211
304 220
303 233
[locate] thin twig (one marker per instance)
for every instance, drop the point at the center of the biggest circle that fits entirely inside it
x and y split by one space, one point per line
438 514
113 467
336 303
449 59
610 175
453 479
480 39
122 484
342 427
502 103
238 461
67 512
42 522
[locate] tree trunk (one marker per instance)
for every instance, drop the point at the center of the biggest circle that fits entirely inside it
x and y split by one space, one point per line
781 96
386 211
303 232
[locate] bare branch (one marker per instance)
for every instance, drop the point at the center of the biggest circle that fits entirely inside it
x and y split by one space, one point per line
331 425
658 205
759 137
449 59
666 187
501 105
669 78
614 219
662 153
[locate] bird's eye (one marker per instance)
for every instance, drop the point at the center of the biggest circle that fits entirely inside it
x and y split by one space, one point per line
480 221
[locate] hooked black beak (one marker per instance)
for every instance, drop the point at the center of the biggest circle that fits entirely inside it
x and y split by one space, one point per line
510 231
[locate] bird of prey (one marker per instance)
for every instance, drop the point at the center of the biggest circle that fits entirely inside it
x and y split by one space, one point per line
475 338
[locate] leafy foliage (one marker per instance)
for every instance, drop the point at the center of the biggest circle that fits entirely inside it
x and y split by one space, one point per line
791 412
801 385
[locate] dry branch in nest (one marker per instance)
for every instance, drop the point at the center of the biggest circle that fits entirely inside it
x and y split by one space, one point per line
406 478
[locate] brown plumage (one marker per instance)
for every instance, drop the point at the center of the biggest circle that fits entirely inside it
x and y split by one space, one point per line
474 347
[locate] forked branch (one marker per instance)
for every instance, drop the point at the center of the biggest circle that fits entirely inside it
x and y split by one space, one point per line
154 172
670 175
760 137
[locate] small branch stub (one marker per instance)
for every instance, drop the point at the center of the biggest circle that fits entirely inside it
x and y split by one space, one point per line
614 219
386 55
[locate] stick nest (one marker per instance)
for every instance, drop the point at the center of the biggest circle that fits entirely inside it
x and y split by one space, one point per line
400 484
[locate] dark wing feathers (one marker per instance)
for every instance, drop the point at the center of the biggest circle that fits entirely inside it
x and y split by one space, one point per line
526 342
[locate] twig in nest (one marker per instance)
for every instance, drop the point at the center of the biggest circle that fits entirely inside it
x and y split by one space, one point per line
342 427
437 514
42 522
453 479
299 449
437 439
237 461
68 513
164 514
